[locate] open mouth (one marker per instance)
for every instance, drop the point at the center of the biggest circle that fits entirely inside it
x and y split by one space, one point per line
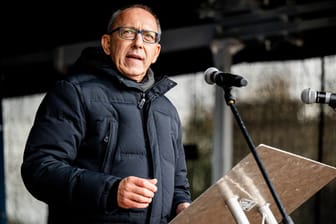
134 56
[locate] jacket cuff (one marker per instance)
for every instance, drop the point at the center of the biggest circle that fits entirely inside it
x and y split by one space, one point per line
112 198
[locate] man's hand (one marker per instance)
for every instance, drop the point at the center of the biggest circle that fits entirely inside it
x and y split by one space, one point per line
136 192
181 207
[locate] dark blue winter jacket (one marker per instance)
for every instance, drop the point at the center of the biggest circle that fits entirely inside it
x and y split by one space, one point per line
95 127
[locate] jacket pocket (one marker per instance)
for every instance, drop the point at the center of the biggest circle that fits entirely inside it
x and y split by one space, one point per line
109 140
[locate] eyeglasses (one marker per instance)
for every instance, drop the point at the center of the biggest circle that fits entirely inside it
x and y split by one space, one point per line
129 33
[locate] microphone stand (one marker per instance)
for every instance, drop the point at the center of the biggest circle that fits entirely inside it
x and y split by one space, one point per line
230 101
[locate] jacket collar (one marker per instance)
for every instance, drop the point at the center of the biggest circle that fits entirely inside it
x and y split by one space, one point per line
94 60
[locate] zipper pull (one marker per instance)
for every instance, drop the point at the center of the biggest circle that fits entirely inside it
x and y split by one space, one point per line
142 101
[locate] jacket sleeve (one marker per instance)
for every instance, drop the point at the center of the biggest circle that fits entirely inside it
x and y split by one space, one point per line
182 187
47 169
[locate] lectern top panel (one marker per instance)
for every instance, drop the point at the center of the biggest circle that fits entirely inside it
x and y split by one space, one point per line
295 179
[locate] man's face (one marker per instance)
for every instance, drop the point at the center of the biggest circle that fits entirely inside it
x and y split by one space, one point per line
132 57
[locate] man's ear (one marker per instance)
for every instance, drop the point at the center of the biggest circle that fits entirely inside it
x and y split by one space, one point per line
157 53
105 43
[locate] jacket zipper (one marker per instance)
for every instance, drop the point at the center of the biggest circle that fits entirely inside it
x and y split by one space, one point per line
144 113
143 106
142 101
107 157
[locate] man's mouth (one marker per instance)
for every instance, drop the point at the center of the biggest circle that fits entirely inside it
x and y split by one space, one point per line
134 56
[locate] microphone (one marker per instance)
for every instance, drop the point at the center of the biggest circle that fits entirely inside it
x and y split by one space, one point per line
309 96
212 75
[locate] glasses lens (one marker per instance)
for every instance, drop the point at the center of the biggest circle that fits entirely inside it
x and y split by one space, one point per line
149 36
127 33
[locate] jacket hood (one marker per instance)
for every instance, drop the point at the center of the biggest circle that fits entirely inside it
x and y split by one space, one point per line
92 59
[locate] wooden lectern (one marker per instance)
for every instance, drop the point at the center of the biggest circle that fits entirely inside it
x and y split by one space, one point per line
295 179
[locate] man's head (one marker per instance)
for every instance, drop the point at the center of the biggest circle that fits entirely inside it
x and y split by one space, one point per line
132 40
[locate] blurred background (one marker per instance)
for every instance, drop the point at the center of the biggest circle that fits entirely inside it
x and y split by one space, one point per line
281 48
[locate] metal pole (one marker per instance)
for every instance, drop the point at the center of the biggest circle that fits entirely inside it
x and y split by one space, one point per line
222 51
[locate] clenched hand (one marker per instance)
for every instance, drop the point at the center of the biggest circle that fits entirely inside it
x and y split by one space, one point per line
136 192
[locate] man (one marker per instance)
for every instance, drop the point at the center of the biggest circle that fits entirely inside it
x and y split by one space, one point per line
106 144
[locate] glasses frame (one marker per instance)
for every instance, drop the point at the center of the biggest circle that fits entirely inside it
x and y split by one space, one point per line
157 35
